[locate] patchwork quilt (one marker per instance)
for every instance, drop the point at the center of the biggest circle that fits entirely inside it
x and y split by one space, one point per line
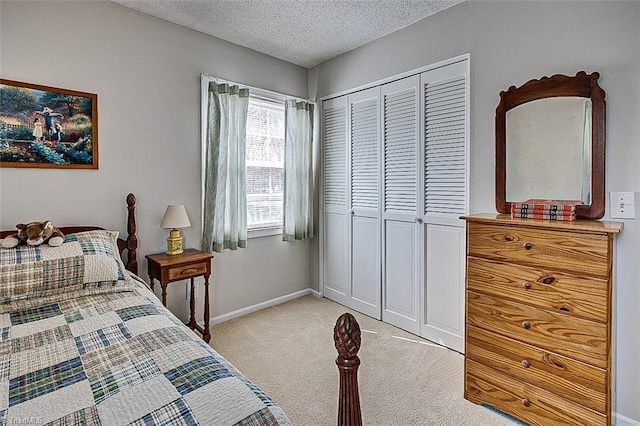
118 358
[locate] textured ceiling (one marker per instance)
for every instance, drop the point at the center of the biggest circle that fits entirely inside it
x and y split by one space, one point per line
304 32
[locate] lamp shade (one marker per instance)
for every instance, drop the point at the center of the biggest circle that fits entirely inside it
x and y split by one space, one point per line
175 217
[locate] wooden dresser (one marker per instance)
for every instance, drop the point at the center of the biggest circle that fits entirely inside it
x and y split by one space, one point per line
538 318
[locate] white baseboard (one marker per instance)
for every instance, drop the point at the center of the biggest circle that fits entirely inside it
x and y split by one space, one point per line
620 420
257 307
317 294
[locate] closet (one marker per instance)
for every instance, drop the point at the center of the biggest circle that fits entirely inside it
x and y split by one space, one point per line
395 182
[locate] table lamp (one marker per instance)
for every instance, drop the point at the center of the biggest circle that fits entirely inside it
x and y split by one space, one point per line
175 217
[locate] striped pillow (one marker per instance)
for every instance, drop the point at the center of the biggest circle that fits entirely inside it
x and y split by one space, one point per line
86 263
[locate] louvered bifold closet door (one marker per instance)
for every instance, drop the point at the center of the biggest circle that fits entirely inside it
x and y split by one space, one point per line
335 136
445 92
401 225
364 184
445 147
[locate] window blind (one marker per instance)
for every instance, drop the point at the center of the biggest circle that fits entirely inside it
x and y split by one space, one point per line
264 163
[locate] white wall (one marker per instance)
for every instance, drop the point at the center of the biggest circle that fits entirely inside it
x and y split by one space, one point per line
146 73
511 43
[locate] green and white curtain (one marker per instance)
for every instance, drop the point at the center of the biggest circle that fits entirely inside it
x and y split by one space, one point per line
225 197
297 221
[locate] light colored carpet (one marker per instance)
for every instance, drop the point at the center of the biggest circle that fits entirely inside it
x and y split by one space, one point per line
288 351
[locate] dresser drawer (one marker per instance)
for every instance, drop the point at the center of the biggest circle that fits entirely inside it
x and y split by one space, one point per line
564 334
187 271
574 380
583 253
581 296
529 403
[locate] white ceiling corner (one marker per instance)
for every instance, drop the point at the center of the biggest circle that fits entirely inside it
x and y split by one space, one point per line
303 32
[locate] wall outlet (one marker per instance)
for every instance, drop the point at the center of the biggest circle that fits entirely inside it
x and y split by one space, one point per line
622 205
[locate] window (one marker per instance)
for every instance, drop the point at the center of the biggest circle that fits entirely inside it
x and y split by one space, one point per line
265 164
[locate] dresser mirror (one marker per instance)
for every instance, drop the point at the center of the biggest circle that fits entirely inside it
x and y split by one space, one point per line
550 143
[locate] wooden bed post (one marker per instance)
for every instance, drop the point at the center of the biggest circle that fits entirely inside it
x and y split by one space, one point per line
346 336
132 240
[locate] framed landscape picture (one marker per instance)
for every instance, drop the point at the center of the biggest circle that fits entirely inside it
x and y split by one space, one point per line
47 127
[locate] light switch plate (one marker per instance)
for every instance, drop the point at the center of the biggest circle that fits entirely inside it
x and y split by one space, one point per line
622 205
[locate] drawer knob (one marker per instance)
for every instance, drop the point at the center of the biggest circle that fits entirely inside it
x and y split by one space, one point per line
527 246
188 271
526 325
526 286
525 363
525 402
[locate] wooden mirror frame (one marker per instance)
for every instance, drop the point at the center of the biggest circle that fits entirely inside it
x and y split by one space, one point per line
582 85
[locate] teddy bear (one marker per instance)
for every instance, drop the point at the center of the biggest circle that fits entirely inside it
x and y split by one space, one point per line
33 234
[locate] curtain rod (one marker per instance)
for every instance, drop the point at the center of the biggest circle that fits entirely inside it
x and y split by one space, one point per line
258 89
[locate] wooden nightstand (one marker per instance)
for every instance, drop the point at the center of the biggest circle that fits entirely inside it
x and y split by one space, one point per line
188 265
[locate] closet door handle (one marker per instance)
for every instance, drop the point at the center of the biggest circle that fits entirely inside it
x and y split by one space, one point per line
526 325
418 219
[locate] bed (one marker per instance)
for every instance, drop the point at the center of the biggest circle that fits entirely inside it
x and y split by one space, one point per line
84 341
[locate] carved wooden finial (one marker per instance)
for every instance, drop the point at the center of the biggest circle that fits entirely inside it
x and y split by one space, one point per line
131 200
346 336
